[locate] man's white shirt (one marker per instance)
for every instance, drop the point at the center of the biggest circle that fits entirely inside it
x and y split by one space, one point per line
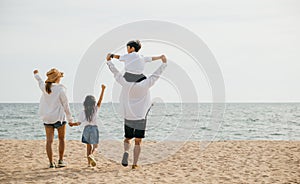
135 97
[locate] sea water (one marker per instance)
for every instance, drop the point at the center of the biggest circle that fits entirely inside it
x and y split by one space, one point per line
169 121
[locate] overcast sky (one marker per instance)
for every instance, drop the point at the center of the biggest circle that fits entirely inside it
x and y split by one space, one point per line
256 43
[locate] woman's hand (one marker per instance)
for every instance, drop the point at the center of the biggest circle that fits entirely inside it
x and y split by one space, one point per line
35 71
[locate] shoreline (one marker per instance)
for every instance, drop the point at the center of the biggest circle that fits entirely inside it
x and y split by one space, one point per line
221 162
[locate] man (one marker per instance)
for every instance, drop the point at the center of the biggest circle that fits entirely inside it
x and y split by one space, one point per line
135 104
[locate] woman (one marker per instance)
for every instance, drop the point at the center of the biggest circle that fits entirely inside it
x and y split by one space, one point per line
54 110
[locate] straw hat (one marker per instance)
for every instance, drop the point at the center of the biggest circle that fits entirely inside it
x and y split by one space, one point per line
53 75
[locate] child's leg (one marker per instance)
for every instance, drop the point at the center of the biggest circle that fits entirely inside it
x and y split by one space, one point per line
88 151
95 148
92 149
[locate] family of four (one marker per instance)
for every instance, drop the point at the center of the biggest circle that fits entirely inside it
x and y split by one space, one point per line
134 100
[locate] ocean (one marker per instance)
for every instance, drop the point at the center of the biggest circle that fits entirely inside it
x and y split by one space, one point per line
170 121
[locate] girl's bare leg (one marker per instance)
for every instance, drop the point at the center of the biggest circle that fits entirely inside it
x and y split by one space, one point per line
88 152
92 149
95 148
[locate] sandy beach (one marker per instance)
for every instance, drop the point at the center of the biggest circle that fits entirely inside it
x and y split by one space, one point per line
221 162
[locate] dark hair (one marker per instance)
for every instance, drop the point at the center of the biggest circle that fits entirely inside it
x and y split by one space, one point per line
136 44
89 107
48 87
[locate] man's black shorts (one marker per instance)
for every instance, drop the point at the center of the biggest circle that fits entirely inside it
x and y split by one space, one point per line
135 128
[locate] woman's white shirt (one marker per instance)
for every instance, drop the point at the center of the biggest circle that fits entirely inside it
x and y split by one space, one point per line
54 106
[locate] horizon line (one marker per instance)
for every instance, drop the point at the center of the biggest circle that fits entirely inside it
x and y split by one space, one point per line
228 102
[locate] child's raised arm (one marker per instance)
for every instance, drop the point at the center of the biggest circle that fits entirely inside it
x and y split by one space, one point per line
101 95
162 57
111 56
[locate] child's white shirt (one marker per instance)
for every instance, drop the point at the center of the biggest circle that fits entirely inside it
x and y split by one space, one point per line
83 120
134 62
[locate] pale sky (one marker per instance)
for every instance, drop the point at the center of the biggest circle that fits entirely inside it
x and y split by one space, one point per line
256 43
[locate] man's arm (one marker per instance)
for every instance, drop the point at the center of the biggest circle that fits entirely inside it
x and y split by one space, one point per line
155 76
101 95
118 76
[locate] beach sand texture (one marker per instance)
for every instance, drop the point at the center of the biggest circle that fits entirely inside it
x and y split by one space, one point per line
24 161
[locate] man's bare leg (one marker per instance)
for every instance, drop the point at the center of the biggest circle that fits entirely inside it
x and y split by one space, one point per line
136 151
126 144
126 154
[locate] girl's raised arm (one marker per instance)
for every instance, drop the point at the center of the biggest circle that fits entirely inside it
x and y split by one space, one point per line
101 95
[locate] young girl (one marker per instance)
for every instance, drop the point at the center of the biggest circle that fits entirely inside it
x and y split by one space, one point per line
88 117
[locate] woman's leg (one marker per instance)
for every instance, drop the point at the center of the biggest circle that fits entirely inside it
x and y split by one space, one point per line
49 142
61 138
